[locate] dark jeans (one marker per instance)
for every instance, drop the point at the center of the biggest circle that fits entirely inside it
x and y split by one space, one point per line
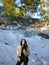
23 59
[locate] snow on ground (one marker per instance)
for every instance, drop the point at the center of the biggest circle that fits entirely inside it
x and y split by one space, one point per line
9 40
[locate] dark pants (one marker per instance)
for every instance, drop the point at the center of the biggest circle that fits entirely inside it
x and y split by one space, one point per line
23 59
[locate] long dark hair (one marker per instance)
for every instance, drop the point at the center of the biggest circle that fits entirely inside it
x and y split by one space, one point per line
25 45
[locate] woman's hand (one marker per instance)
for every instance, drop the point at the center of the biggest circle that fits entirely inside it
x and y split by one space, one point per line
25 53
19 59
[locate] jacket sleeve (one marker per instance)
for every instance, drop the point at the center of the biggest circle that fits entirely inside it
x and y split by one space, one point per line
18 52
28 51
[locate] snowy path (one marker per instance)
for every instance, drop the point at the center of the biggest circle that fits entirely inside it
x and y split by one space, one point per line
9 40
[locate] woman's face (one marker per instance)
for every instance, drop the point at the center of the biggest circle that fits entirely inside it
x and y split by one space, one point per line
23 42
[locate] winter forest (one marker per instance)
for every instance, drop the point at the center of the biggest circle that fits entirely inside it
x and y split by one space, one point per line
24 19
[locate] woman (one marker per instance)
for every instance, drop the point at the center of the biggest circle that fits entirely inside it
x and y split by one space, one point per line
23 52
